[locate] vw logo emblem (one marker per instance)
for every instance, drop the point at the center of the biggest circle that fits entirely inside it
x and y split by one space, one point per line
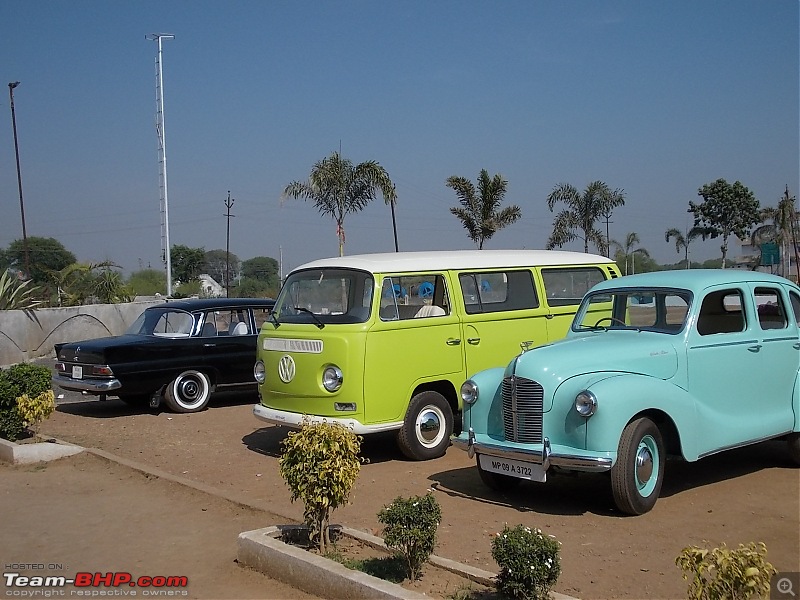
286 368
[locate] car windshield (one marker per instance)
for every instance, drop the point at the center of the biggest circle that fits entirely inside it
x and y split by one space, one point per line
655 309
325 296
163 322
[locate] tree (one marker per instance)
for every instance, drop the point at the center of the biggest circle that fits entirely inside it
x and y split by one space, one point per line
218 263
187 263
338 188
628 251
262 268
45 254
480 214
779 225
83 283
727 209
682 241
578 220
148 282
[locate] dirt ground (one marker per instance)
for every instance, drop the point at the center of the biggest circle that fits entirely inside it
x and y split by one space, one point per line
750 494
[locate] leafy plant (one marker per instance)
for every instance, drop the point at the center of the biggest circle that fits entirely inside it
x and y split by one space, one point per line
410 529
529 562
16 295
724 574
35 409
320 465
33 381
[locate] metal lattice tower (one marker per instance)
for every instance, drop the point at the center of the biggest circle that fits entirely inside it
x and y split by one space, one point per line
162 158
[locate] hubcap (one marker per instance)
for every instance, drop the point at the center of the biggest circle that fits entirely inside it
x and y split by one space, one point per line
644 465
647 466
429 426
189 389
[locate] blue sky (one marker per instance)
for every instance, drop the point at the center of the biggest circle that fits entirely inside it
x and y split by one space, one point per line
656 98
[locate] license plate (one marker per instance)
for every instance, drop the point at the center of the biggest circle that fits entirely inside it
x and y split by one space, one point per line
77 372
513 468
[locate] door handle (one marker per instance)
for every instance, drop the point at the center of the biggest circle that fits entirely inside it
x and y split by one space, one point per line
755 348
474 341
453 342
796 346
209 345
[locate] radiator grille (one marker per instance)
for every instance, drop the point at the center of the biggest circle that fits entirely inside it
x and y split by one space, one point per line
523 404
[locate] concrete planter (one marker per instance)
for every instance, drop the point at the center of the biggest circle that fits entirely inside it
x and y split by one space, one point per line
18 454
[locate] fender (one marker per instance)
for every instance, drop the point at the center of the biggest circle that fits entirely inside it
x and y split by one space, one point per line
796 403
623 396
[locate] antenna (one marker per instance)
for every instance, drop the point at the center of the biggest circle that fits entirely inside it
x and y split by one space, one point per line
162 158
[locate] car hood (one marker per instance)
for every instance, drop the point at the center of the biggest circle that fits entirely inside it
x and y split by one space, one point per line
96 351
640 352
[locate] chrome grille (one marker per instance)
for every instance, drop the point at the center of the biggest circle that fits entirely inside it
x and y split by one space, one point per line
523 404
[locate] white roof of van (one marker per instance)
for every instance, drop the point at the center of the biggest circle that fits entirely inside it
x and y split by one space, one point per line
434 260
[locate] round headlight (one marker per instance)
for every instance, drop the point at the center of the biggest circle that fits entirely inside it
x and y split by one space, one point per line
469 392
259 372
332 378
586 403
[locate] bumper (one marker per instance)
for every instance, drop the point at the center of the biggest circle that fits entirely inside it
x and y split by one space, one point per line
544 456
88 386
295 420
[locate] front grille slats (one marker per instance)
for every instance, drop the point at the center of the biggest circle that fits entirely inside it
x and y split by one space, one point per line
523 405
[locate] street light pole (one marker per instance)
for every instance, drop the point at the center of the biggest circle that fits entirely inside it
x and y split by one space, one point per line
228 203
11 87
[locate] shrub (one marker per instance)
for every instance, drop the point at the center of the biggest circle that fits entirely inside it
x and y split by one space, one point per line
410 529
529 562
721 573
320 464
35 409
28 381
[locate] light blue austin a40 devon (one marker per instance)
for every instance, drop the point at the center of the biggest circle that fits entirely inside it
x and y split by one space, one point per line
678 363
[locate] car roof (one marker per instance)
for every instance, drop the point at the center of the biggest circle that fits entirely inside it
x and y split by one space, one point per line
693 279
193 304
455 259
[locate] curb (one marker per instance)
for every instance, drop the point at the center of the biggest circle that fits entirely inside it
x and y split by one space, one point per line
22 454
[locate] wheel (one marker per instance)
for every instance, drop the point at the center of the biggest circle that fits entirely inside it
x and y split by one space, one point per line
135 399
188 392
611 320
637 475
496 481
426 430
794 447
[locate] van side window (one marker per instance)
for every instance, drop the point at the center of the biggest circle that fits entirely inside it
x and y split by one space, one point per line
721 312
771 311
567 286
414 297
498 291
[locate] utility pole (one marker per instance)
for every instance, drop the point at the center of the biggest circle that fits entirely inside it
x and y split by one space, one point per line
11 87
228 203
162 158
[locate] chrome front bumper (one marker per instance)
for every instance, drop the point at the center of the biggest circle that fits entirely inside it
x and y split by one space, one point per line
544 457
295 420
88 386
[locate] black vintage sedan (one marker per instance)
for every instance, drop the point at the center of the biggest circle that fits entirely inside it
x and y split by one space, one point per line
180 351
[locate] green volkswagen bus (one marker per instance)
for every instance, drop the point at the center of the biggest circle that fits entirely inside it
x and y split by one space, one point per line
382 342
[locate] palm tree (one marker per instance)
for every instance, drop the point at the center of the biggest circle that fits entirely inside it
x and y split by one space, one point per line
779 225
682 241
582 213
628 251
338 188
480 214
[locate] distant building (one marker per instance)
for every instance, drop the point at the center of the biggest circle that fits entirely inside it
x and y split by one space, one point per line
209 287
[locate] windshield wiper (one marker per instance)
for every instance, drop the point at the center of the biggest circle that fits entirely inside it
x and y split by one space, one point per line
274 319
318 323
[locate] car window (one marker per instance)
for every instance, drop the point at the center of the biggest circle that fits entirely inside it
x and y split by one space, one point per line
498 291
414 297
567 286
661 310
795 299
771 311
261 315
322 296
721 312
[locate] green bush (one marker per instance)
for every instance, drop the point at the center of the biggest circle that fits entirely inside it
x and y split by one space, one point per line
409 527
28 381
723 574
320 465
529 562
